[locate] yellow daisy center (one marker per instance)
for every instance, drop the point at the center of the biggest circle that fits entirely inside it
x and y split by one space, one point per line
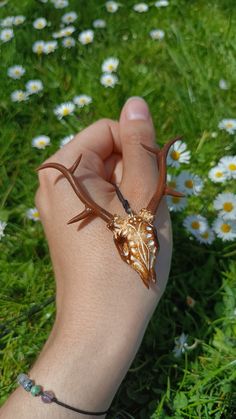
232 166
175 155
195 225
87 38
82 101
65 111
205 235
229 125
218 174
36 214
228 206
17 72
41 142
39 50
110 67
189 184
226 228
175 199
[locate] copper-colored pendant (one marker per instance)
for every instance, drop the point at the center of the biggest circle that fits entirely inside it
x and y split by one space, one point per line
135 235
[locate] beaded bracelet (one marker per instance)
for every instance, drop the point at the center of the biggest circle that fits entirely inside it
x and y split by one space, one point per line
48 396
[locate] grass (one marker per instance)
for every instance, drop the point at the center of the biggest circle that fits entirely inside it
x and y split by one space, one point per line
179 78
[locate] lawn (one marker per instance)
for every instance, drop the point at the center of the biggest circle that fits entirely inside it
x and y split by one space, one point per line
185 367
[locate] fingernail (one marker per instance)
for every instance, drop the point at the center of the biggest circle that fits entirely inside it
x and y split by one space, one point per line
136 108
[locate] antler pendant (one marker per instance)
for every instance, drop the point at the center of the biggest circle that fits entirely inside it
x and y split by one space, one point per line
135 236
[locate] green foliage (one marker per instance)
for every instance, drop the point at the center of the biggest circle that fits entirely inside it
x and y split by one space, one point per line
179 79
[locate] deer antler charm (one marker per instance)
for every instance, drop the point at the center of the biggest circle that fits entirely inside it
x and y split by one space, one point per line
135 236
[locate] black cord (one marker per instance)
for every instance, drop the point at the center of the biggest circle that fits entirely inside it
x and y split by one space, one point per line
124 201
85 412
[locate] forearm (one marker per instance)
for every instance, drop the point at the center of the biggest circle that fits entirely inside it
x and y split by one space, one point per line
83 367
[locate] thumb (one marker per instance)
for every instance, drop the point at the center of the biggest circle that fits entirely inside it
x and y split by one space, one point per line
140 172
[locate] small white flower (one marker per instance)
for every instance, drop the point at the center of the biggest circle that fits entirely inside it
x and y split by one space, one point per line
19 96
218 174
60 4
108 80
3 225
86 37
178 154
223 84
66 140
195 224
34 86
225 229
32 214
229 125
69 17
6 35
162 3
68 42
50 47
157 34
180 345
111 6
38 47
64 109
99 23
18 20
190 301
7 22
229 164
207 237
189 183
16 72
41 141
40 23
176 203
214 134
110 64
67 31
82 100
226 204
140 7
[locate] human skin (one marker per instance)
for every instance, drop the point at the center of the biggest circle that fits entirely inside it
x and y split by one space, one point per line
102 305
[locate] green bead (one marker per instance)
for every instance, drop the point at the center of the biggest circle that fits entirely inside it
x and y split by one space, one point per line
36 390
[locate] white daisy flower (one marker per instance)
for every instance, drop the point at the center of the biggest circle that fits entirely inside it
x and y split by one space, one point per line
225 229
68 42
16 71
157 34
18 20
176 203
223 84
82 100
3 225
34 86
66 140
64 109
50 47
110 64
40 23
108 79
86 37
189 183
99 23
140 7
19 96
67 31
178 154
7 22
190 301
32 214
206 238
226 204
162 3
111 6
180 345
229 163
38 47
60 4
214 134
6 35
41 141
195 223
69 17
218 174
229 125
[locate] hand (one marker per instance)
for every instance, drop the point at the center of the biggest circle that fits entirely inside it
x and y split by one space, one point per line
103 307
